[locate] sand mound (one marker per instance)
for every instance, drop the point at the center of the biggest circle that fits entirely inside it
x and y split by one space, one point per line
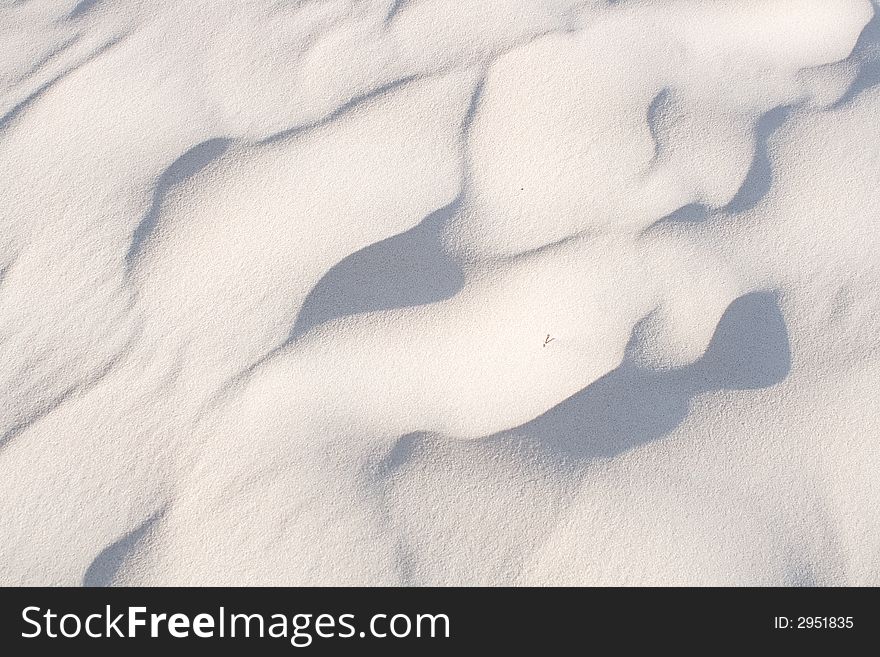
426 292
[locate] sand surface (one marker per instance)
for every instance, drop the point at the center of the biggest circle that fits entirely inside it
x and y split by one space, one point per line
417 292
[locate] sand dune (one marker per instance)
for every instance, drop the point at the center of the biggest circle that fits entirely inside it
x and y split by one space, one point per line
434 292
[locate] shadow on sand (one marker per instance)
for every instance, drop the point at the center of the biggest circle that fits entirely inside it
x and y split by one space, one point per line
631 405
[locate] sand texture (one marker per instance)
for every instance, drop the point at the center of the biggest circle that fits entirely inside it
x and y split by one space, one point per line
432 292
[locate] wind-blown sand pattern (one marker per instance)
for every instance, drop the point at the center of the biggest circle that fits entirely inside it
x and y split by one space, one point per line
440 292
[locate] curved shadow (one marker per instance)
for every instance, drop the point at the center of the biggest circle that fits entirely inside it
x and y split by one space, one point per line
756 183
182 169
19 108
867 49
82 8
110 560
692 213
658 112
342 110
760 175
401 452
79 387
395 8
409 269
412 268
631 405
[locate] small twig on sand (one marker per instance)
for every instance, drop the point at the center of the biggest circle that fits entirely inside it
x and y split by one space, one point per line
547 340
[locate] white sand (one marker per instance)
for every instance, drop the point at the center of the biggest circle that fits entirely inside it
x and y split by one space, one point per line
276 280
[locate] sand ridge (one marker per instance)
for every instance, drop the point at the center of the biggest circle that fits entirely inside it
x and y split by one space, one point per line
276 281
